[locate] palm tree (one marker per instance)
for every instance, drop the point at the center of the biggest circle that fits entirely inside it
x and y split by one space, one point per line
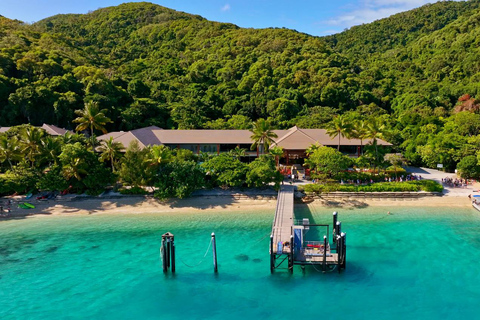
50 149
110 150
238 152
312 148
74 169
374 130
91 117
360 131
9 150
339 126
159 155
94 142
31 142
262 134
277 152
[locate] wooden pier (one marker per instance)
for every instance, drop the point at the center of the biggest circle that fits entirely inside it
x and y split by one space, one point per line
283 221
287 242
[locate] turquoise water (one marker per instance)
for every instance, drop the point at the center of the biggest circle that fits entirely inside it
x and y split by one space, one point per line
419 263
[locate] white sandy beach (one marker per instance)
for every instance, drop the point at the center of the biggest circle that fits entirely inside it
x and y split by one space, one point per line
138 205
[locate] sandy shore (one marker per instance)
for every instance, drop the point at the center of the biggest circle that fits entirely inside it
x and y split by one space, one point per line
140 205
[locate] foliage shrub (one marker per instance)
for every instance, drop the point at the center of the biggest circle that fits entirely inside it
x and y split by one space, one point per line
262 171
133 190
52 180
178 179
226 170
468 168
407 186
19 180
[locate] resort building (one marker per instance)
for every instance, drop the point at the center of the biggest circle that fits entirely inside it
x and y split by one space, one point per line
294 141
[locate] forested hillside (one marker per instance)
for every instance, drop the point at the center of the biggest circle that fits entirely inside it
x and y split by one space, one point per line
149 65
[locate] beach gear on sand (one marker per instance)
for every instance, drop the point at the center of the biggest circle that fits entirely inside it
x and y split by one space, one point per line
29 205
26 205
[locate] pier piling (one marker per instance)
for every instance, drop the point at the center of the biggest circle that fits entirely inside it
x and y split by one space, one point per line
168 252
214 248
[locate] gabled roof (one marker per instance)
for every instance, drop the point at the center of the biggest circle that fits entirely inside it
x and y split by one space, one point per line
143 136
54 130
4 129
146 135
294 139
125 138
302 139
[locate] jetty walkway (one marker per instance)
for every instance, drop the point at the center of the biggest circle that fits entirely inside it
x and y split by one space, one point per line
288 243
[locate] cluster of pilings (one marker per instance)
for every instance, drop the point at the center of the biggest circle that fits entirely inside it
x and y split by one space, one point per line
340 239
167 251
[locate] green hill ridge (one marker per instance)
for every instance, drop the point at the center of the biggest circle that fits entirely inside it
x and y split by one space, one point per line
150 65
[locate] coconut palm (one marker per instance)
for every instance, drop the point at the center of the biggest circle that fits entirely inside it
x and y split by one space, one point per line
262 134
238 152
93 143
340 126
74 169
91 117
111 151
159 155
312 148
31 143
375 129
50 149
277 152
360 131
9 150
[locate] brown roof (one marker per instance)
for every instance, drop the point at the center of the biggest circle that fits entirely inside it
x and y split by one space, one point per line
301 139
54 130
125 138
144 137
204 136
292 139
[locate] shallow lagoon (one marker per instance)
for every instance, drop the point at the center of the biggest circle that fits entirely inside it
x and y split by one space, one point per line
415 263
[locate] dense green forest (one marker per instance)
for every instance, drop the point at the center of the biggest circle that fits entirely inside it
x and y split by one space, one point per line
417 72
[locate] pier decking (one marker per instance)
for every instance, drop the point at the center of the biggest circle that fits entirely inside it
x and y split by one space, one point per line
283 221
287 239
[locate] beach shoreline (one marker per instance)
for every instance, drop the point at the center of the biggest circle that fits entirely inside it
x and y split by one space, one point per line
148 205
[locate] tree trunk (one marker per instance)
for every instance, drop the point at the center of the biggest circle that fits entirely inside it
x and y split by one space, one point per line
111 160
339 141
